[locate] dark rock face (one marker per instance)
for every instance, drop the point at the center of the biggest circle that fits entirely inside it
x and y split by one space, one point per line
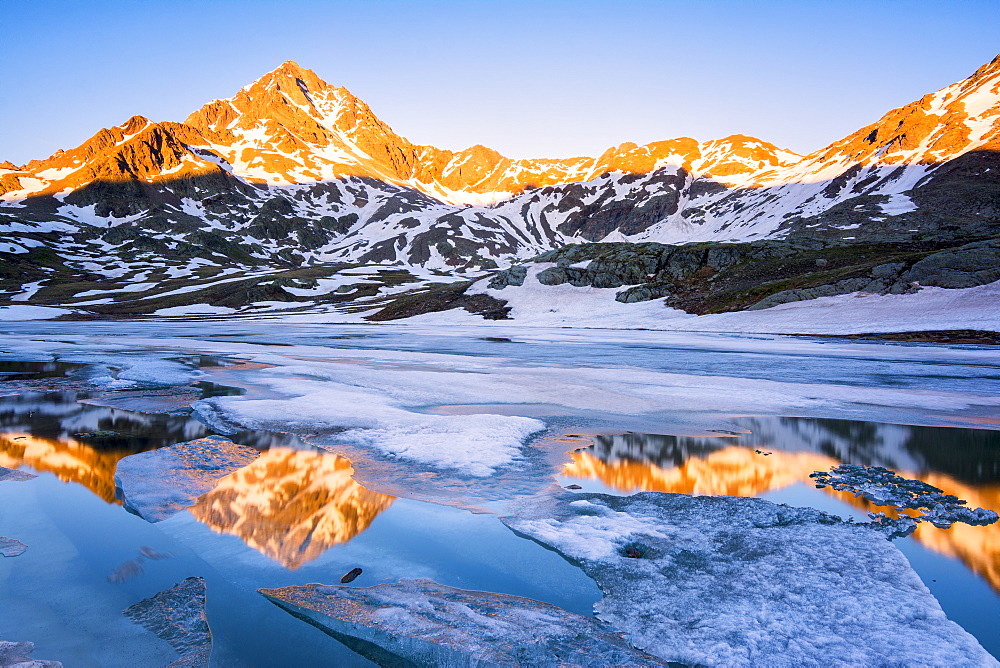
714 277
443 298
631 214
963 267
643 293
177 615
512 276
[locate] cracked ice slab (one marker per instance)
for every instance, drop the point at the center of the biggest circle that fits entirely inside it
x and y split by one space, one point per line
432 624
177 615
15 655
13 475
10 547
742 581
160 483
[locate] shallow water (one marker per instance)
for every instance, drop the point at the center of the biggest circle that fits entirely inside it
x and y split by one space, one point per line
623 412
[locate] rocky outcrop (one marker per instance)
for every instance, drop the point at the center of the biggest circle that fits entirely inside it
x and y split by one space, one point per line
705 278
442 298
963 267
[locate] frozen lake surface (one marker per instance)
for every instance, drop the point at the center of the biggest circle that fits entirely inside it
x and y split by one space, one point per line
394 449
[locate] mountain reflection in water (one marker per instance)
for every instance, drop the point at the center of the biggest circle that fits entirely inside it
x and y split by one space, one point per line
80 443
963 462
291 505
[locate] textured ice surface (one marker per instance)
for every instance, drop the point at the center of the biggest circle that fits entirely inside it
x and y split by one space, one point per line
13 475
15 655
884 488
143 371
364 405
432 624
10 547
177 615
160 483
742 581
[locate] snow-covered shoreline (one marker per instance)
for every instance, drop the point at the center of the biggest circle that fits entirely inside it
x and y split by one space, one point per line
536 306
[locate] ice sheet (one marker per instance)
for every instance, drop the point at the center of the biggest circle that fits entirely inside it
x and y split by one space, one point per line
724 581
160 483
432 624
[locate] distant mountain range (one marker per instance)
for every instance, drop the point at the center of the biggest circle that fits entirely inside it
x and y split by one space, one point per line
294 173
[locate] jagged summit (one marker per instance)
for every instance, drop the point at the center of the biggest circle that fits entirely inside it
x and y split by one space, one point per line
291 166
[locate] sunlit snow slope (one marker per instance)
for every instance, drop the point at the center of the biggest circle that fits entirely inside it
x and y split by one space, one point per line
294 170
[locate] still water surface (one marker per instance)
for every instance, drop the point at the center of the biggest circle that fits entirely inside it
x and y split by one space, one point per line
241 537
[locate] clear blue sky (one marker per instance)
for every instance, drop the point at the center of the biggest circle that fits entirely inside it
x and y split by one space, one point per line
543 78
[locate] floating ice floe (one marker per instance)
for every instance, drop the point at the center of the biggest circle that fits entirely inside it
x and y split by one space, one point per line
363 411
13 475
427 623
884 488
160 483
177 615
10 547
742 581
15 655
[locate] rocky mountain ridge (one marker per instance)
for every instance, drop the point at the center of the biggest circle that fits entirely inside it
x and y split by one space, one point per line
292 172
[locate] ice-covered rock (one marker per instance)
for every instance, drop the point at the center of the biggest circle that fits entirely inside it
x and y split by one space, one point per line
11 548
15 655
884 488
742 581
177 615
13 475
432 624
160 483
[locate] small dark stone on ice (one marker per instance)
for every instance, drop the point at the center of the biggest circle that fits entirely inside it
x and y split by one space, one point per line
633 552
573 487
351 575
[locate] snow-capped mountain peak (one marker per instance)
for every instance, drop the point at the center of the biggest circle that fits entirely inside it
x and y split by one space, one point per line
292 167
